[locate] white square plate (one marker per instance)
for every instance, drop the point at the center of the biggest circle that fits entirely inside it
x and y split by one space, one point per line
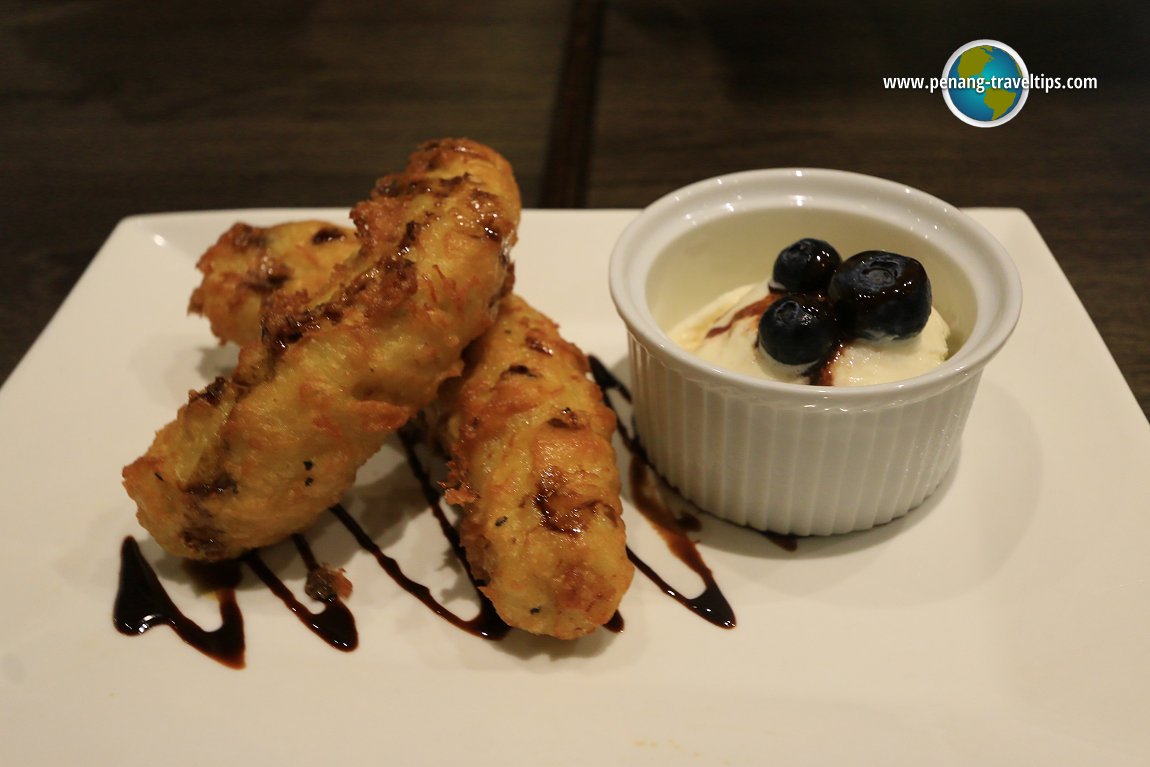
1007 621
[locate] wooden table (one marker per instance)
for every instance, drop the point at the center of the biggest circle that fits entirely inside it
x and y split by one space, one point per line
116 108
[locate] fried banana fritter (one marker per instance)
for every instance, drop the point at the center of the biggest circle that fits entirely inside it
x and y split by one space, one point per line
534 470
255 457
556 564
249 264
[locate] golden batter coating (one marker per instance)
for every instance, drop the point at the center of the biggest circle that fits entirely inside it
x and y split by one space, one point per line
258 456
248 264
534 470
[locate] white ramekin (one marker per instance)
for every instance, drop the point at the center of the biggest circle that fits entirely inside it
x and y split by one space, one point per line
805 460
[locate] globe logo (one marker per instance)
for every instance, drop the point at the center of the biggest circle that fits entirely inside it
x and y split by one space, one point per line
985 83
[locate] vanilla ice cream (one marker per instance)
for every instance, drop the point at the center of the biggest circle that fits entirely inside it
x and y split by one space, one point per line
725 333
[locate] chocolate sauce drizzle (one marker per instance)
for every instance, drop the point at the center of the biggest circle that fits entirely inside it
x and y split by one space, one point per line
335 623
142 601
486 624
711 604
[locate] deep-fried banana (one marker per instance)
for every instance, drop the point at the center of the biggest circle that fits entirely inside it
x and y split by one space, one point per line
249 264
532 465
258 456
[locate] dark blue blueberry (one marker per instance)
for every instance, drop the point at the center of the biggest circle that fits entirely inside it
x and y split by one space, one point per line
804 267
797 329
879 295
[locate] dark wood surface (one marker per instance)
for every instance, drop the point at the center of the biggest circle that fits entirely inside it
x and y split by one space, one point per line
112 108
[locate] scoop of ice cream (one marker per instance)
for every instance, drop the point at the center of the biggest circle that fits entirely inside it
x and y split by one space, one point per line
725 333
864 362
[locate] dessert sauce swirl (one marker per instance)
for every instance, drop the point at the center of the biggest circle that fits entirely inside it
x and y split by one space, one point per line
711 604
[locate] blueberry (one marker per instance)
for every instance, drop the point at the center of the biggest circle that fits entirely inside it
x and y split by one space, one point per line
879 295
797 329
805 266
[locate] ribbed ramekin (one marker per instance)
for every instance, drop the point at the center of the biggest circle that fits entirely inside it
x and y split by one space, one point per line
804 460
